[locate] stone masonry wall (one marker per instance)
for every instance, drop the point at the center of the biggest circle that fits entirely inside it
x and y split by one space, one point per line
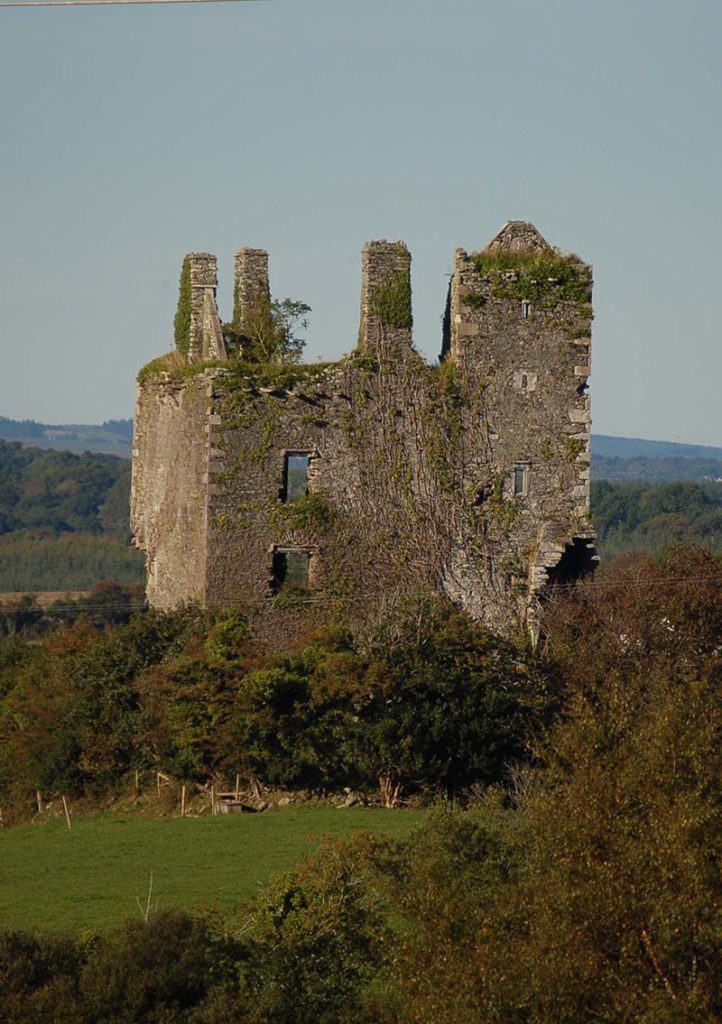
250 282
204 280
415 471
168 512
386 320
523 335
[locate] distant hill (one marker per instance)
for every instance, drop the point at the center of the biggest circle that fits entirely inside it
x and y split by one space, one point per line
113 437
636 447
656 470
633 460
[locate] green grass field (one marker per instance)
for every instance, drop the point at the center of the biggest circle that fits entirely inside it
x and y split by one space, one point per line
51 878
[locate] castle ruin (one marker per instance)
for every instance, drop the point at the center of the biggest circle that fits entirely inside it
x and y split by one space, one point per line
302 494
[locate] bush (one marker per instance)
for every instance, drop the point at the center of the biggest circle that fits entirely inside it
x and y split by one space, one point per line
154 971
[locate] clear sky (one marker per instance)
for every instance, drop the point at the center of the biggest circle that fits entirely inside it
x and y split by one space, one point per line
132 135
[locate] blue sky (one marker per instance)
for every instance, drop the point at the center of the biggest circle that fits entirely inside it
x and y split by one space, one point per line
132 135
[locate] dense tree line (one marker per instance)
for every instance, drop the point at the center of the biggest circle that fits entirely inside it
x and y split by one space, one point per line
63 520
59 492
648 517
20 428
443 708
581 888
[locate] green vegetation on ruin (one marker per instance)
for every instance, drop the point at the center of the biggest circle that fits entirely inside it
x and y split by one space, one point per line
573 447
275 376
542 277
182 322
503 511
240 375
175 366
391 301
311 512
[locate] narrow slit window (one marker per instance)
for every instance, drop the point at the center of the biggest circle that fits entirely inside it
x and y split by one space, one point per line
290 569
295 484
525 309
521 480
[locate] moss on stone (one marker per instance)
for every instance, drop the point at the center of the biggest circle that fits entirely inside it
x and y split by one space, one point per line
391 301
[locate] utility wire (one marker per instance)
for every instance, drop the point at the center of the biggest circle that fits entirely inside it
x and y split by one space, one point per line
554 588
111 3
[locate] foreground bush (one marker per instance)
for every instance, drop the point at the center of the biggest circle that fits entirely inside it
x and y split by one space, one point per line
446 708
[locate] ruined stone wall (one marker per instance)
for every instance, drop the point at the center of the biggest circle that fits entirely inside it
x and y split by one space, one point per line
520 331
203 283
168 512
386 318
250 283
469 478
365 523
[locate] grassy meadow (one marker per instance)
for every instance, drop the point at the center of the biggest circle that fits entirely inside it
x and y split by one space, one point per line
52 878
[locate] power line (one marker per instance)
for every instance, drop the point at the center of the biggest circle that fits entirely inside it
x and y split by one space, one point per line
112 3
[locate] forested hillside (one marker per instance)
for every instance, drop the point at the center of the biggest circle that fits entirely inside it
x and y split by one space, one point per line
63 520
647 517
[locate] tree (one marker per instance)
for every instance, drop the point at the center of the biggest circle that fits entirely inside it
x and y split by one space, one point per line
315 941
269 330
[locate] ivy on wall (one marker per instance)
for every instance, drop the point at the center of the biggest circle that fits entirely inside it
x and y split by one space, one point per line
182 322
391 301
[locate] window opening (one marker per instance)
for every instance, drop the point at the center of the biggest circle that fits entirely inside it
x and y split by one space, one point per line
525 309
295 483
290 569
521 477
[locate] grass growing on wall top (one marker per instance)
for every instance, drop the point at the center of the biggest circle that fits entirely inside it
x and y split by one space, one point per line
536 276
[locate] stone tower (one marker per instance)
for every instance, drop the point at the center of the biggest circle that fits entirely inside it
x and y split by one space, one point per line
303 494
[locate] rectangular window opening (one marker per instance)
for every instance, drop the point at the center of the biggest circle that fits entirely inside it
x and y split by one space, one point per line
521 481
295 475
290 570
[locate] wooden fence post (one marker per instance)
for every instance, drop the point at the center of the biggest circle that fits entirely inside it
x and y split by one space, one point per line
67 812
183 800
39 800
